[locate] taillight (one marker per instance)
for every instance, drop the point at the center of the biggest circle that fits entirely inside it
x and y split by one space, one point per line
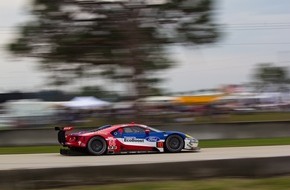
72 139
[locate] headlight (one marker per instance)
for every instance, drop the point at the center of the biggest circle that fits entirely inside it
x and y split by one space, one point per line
194 140
188 136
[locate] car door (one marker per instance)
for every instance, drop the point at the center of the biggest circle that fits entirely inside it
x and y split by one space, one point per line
133 139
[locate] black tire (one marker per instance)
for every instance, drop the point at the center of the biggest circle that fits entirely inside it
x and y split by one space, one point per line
174 143
97 146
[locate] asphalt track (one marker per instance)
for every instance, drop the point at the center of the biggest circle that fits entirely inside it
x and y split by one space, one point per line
36 161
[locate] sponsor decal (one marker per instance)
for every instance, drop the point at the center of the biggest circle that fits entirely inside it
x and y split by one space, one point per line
159 144
132 139
152 139
68 128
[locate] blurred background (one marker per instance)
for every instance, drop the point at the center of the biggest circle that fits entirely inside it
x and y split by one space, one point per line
215 69
92 62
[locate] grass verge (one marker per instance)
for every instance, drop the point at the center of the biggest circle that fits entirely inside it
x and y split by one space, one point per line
203 144
29 149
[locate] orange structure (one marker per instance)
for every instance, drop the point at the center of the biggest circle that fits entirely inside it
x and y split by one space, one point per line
198 99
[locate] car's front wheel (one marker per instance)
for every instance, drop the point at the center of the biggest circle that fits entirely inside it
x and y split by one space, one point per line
174 143
97 146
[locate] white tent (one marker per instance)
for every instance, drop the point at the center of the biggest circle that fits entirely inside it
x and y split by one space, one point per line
86 102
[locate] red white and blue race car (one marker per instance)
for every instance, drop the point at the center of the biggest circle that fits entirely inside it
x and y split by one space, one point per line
124 138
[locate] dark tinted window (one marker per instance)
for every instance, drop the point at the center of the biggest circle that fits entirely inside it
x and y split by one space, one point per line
134 129
137 129
128 130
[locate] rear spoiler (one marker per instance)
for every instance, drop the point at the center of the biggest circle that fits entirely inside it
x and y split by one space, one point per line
63 128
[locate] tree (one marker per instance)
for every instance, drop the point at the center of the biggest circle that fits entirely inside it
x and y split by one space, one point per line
123 41
269 76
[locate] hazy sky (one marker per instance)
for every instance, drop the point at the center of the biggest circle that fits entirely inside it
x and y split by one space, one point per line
254 31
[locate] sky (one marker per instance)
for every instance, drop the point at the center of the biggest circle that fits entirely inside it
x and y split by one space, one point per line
253 32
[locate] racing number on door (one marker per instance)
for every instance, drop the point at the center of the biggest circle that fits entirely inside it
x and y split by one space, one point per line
112 144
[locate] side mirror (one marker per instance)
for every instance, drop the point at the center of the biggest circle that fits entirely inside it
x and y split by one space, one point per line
147 131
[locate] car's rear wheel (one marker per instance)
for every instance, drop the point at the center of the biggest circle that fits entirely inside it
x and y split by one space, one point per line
97 146
174 143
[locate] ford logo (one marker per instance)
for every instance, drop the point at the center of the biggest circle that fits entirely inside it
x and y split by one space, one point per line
152 139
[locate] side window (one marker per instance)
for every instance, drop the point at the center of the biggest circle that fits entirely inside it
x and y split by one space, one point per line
128 130
138 129
134 129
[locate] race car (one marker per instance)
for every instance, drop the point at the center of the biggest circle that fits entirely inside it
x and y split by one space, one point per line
124 138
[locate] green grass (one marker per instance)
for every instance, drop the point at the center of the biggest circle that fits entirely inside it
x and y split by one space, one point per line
203 144
275 183
29 149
